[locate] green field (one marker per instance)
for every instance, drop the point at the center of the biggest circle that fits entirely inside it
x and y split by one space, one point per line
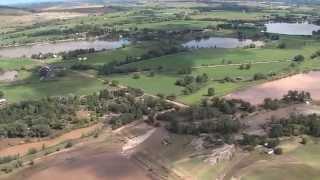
175 18
265 60
17 64
302 162
232 15
35 89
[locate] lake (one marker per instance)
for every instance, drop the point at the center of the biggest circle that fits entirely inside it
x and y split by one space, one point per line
220 42
14 52
276 89
292 28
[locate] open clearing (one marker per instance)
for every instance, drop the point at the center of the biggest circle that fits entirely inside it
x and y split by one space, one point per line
301 162
8 76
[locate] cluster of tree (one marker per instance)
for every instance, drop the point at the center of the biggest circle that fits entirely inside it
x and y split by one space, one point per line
81 66
76 53
272 104
254 140
192 83
90 30
316 33
213 116
289 18
259 76
41 118
6 159
296 97
199 119
42 56
38 118
295 125
282 45
298 58
245 66
228 106
289 98
273 37
113 68
186 70
1 94
316 54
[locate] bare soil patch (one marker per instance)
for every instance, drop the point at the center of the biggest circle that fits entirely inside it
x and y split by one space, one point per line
22 149
8 76
93 161
276 89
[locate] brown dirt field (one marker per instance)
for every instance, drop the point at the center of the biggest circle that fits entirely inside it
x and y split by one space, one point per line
93 161
23 148
276 89
9 142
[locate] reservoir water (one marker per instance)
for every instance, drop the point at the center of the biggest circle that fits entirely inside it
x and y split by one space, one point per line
14 52
292 28
220 42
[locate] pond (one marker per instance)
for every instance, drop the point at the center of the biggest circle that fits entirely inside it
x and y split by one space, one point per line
276 89
14 52
292 28
220 42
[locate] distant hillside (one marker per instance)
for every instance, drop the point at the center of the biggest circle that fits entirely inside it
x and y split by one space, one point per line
7 10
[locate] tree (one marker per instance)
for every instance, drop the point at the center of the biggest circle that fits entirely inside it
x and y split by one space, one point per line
276 130
114 83
282 45
1 94
248 66
304 141
298 58
136 76
259 76
278 151
211 91
172 97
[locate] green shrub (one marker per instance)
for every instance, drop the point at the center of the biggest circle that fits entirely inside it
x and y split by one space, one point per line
278 151
32 151
68 145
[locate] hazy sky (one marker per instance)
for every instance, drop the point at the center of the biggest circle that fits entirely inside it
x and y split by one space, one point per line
9 2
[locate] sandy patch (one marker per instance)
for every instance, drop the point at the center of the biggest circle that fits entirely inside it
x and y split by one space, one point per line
136 141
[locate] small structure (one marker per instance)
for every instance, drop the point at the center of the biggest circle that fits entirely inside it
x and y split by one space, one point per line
3 101
269 151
